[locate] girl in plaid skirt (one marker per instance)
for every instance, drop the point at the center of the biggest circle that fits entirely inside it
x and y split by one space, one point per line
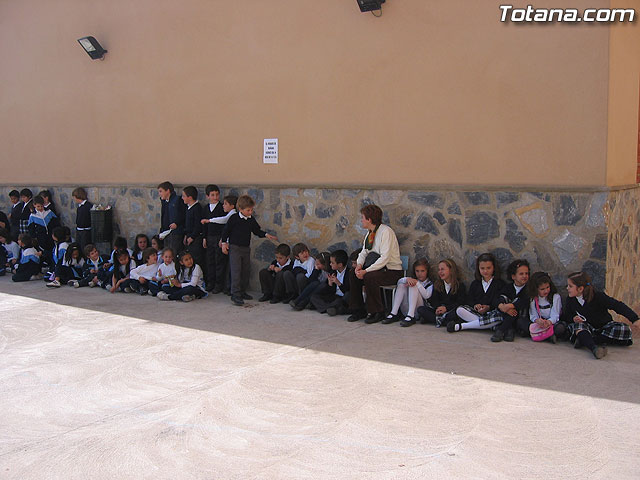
589 322
513 302
481 313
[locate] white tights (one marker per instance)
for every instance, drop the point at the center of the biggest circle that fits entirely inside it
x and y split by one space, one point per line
471 320
407 299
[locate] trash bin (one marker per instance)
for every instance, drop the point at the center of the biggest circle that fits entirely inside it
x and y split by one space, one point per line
102 226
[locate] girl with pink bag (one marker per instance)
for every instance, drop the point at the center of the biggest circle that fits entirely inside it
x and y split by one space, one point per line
544 311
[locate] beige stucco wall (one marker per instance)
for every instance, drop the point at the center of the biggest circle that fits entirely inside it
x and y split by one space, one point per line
436 92
624 89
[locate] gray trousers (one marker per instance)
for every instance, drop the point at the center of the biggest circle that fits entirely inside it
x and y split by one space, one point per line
239 263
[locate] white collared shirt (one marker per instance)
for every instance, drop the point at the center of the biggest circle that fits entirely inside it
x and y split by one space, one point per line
518 289
486 285
580 300
282 266
212 206
447 287
340 277
243 217
189 206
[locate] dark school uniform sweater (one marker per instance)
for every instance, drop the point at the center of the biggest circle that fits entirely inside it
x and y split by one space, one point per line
476 294
213 229
237 230
597 310
192 225
448 300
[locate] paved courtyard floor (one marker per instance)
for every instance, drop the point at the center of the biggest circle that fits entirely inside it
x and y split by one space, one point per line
102 386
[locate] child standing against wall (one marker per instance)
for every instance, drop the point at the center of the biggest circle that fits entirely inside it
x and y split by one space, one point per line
83 217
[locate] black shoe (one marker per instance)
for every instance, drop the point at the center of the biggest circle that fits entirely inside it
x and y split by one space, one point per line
577 343
237 300
451 326
407 323
293 304
275 300
391 318
374 318
288 298
498 336
227 292
552 339
355 316
599 351
310 306
265 298
216 290
509 335
332 311
246 296
298 307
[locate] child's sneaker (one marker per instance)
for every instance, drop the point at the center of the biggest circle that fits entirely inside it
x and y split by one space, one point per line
237 300
73 283
54 284
93 284
188 298
127 290
163 296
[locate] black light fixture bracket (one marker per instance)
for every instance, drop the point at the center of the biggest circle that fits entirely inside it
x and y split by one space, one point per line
370 6
92 47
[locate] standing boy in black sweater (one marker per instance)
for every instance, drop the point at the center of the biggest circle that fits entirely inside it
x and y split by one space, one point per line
236 241
83 217
192 226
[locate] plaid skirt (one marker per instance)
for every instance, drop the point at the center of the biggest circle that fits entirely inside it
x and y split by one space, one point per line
620 332
492 317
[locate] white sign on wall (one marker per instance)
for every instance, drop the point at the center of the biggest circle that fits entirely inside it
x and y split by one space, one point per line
270 154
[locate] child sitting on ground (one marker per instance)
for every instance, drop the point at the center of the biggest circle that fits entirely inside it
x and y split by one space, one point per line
11 247
298 277
590 323
48 201
335 299
41 224
28 267
411 293
272 277
480 311
189 284
317 282
95 271
236 241
513 302
166 272
69 271
121 271
448 293
145 273
140 243
545 307
119 244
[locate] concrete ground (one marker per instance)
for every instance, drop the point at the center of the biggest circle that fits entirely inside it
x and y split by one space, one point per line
95 385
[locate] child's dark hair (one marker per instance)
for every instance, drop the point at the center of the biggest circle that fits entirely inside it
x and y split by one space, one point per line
88 248
45 193
283 249
25 192
147 252
74 247
38 200
340 257
231 200
158 240
324 258
166 186
118 273
191 191
420 262
120 243
67 234
181 268
14 193
298 248
354 255
80 193
59 234
136 248
536 281
487 257
211 188
455 277
515 265
582 279
27 240
169 249
4 233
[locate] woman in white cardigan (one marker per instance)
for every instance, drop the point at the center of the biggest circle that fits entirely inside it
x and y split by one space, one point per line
378 264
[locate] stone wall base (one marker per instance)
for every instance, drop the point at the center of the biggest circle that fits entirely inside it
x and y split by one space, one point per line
558 232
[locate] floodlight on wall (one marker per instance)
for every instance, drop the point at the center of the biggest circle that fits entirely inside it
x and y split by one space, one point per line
370 5
92 47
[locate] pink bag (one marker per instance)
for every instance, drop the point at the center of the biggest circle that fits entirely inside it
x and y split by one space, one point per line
538 333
